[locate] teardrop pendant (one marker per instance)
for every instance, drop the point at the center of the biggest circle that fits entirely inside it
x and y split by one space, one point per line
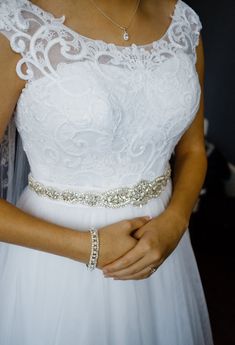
125 35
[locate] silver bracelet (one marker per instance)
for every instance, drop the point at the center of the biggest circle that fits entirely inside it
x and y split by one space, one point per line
94 249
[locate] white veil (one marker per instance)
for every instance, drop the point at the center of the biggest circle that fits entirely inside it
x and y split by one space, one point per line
14 167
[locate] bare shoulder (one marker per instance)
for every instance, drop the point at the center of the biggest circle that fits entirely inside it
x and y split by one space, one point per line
56 7
159 13
166 6
169 5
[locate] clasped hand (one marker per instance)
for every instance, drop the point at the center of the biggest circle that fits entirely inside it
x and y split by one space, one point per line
156 240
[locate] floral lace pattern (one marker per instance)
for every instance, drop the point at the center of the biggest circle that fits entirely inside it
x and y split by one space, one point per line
94 113
38 36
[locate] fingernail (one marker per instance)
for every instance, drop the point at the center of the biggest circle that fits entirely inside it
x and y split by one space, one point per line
148 217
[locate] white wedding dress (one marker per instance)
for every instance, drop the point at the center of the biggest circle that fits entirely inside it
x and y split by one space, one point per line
97 116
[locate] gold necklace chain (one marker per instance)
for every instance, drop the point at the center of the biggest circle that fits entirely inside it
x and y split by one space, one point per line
126 35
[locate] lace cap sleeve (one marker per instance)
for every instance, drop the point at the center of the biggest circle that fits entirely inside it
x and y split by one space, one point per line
11 20
195 23
23 24
14 27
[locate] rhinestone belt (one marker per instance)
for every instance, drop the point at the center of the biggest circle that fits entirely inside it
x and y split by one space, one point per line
137 195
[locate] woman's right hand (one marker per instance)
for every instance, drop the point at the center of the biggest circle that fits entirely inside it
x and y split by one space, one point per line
116 239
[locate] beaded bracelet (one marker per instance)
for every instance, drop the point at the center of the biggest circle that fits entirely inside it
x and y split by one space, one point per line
94 249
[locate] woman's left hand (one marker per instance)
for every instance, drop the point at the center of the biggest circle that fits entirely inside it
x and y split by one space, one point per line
156 241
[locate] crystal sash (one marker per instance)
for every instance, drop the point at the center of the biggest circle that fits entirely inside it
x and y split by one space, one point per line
137 195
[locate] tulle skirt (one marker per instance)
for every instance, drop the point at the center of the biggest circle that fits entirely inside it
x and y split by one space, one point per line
46 299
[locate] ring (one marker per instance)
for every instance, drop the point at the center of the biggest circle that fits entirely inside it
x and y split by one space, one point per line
153 269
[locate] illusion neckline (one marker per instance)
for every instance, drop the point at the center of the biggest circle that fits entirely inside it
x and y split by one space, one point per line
105 43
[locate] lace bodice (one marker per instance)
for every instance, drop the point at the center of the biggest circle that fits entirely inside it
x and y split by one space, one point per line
96 114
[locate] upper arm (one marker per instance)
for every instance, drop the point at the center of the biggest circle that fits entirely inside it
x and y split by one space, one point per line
10 84
193 138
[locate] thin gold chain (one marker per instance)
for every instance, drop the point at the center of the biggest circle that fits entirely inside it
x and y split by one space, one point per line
124 28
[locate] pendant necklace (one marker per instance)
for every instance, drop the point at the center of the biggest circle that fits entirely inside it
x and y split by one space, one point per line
125 34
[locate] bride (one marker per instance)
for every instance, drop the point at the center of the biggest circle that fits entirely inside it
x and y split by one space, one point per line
107 97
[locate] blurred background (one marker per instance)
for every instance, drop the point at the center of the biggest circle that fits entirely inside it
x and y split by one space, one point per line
212 224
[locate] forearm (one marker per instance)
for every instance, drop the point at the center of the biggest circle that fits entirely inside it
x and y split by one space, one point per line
18 227
188 177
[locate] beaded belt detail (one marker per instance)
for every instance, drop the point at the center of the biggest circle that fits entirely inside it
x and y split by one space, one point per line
137 195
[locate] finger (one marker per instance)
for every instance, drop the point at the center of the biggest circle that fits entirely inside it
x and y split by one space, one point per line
138 222
133 269
145 273
128 259
139 233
